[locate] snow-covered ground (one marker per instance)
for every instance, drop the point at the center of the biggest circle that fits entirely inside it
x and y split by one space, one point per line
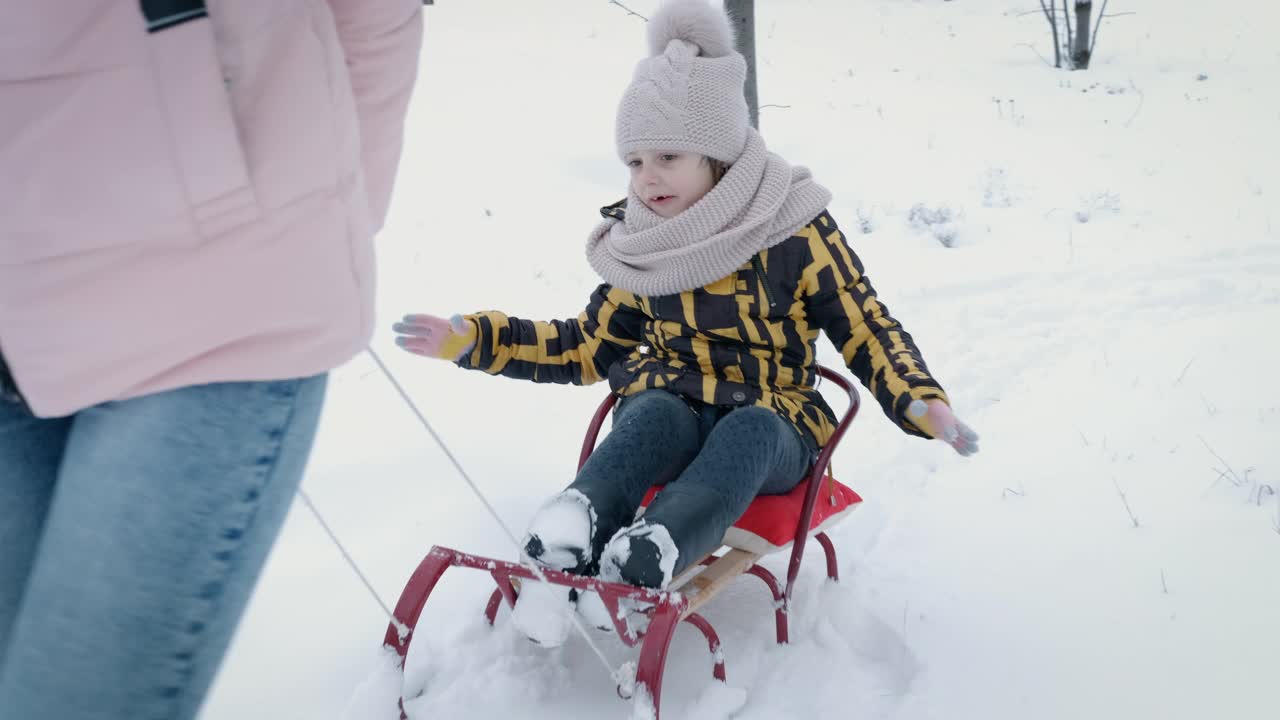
1106 315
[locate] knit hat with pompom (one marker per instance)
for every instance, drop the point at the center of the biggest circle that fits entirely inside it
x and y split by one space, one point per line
688 94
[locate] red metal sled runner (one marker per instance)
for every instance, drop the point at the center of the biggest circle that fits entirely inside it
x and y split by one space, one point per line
769 524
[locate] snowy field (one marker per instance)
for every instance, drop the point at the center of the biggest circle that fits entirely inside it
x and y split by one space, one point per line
1090 262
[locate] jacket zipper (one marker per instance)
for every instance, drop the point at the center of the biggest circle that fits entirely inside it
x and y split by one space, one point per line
764 281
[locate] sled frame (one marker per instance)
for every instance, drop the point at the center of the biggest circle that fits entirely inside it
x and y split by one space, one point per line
691 590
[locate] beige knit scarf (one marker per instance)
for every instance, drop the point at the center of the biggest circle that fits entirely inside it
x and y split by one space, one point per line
759 203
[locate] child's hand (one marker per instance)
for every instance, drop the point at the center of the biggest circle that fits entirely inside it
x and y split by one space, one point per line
934 417
436 337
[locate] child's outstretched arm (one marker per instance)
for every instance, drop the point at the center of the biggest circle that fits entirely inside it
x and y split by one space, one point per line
840 300
577 351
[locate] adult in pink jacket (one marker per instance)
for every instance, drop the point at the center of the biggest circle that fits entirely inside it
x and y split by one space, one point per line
188 197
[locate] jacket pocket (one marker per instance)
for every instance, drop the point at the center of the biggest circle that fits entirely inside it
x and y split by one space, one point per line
111 136
719 308
202 134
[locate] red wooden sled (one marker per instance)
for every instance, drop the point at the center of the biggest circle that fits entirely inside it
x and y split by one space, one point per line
771 523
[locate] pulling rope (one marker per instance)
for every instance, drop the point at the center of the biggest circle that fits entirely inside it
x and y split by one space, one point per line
525 560
351 563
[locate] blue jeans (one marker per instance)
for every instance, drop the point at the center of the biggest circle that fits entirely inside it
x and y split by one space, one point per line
131 535
713 460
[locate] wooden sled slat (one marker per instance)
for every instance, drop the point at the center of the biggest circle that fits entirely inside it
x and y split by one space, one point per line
704 586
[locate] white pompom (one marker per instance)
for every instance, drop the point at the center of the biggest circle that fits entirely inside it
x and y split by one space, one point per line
694 21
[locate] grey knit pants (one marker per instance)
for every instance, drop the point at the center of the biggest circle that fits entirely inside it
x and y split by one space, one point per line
714 461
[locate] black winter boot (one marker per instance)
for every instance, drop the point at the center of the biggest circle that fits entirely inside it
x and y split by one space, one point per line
642 554
559 535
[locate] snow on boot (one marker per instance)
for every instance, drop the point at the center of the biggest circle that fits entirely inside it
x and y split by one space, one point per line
559 536
592 609
643 554
542 613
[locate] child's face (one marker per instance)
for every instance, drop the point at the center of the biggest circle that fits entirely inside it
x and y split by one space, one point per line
667 181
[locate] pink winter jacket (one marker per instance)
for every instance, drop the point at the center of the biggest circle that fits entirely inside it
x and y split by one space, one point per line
194 204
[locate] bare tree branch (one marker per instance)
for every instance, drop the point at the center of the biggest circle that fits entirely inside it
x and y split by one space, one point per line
1221 474
1051 14
1025 13
1267 489
1133 518
1097 24
629 10
1047 14
1142 97
1066 16
1037 52
1184 372
1235 479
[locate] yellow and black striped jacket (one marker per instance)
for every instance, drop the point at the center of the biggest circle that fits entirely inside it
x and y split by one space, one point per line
746 339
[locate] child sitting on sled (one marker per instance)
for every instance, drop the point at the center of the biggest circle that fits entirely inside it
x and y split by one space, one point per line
720 268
